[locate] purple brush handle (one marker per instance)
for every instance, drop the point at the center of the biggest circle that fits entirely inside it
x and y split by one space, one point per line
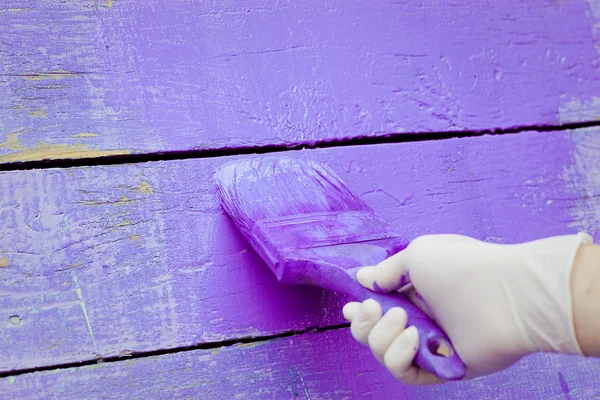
328 249
446 368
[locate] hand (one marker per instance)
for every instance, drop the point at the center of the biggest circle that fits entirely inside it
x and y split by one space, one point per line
497 303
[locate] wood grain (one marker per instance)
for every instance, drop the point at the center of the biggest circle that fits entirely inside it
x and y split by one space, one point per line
313 366
113 260
97 78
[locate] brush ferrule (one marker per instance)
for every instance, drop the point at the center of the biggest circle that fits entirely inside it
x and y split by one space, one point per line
355 237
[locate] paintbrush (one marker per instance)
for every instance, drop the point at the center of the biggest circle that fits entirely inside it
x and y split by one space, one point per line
310 228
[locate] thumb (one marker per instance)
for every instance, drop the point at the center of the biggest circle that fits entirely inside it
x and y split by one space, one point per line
390 274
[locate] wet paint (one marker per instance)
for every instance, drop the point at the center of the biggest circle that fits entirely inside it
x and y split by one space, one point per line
310 228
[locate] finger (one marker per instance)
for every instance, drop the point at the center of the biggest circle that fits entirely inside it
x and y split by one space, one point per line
350 310
398 359
389 327
366 318
390 274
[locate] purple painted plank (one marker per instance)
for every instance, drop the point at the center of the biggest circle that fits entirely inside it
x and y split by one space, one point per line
86 79
312 366
103 261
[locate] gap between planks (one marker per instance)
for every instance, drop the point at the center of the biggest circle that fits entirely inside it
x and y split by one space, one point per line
215 153
161 352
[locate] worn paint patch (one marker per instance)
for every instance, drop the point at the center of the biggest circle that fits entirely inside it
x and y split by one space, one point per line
86 135
586 163
47 151
12 141
40 76
123 223
3 262
144 187
11 380
38 114
71 266
575 109
124 200
595 14
134 237
249 345
109 3
584 176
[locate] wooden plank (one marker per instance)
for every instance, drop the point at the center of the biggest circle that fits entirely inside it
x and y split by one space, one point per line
104 261
312 366
88 79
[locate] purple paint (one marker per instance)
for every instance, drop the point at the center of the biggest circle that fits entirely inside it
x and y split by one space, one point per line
309 228
144 77
404 280
377 288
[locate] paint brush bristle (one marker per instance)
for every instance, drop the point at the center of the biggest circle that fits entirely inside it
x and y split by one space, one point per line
259 189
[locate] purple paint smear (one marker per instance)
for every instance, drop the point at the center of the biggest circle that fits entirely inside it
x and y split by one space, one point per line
377 288
563 385
404 280
310 228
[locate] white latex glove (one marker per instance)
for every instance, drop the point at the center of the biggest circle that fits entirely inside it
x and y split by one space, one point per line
497 303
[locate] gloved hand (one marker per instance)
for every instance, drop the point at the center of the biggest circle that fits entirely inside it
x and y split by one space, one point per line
497 303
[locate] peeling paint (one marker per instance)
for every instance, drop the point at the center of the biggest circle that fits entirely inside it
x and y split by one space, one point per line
47 151
124 200
40 76
16 10
134 237
144 187
575 110
86 135
12 141
586 165
595 11
3 262
38 114
123 223
249 345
